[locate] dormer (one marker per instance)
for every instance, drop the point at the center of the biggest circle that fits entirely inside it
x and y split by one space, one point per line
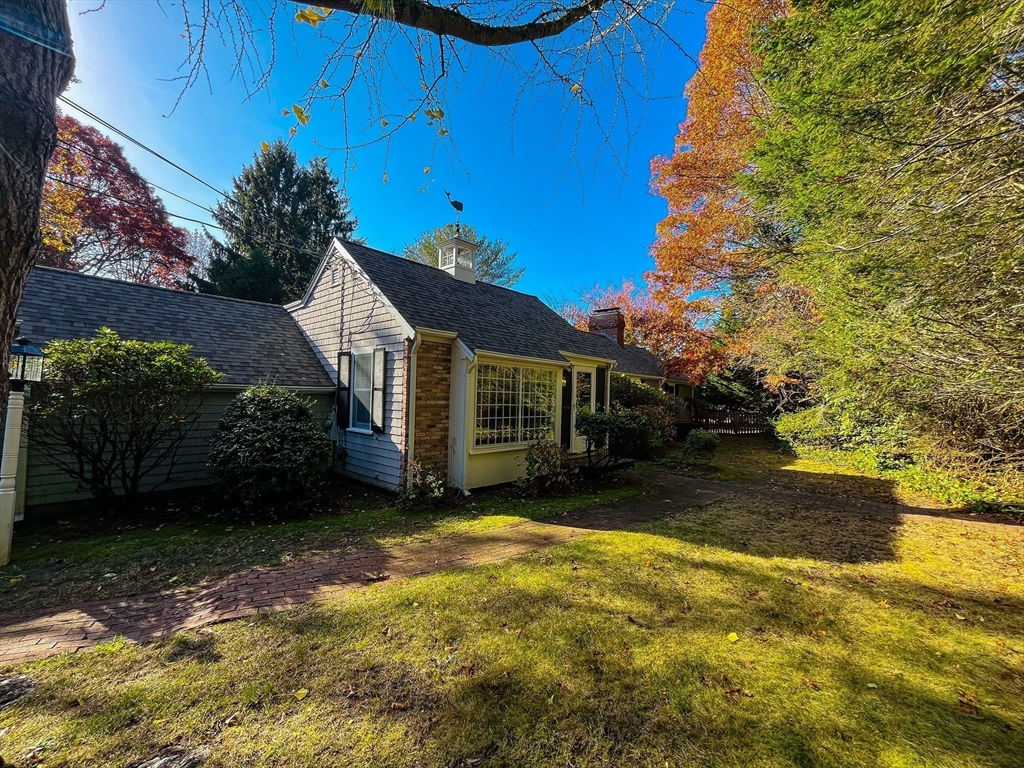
457 257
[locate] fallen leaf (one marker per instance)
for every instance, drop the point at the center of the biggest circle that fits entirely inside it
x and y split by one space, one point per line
399 705
812 684
733 637
301 694
968 702
872 686
736 693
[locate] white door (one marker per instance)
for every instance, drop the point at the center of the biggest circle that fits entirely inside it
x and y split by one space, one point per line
583 390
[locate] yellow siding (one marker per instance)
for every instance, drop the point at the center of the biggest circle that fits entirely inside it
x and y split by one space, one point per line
483 469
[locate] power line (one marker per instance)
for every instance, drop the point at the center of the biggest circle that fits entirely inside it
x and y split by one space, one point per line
135 203
72 148
139 144
142 145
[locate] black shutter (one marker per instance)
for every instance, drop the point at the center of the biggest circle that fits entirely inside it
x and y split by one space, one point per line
567 395
377 403
602 388
344 389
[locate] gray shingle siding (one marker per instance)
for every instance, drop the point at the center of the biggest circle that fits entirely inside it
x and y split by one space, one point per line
367 324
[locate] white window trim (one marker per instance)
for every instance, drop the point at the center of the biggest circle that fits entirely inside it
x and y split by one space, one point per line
474 448
576 440
354 399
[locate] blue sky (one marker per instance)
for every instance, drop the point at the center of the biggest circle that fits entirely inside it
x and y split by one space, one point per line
571 229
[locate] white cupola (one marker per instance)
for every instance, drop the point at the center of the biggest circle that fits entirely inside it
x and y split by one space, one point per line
457 257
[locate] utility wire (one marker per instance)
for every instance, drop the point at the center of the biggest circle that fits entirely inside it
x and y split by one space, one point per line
136 142
135 203
142 145
72 148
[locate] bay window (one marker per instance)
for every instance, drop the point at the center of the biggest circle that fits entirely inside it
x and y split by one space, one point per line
514 404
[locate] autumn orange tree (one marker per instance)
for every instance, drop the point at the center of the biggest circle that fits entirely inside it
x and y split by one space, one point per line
707 246
100 216
685 348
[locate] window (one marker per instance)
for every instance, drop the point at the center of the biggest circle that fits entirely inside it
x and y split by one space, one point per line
448 257
514 404
362 389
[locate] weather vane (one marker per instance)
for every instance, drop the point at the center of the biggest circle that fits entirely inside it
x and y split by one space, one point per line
459 207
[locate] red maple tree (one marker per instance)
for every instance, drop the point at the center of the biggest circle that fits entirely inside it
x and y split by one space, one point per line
100 216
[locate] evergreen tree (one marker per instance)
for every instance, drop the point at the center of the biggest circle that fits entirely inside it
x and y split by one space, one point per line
494 263
250 276
278 223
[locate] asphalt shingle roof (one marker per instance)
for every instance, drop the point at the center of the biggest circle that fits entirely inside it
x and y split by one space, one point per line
245 340
488 317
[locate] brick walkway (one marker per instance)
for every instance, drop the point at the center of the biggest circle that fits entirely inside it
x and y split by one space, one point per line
151 616
147 617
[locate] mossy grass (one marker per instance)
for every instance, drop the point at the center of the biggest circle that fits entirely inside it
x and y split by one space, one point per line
192 539
745 633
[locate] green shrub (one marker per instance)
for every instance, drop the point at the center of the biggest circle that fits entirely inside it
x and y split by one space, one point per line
700 446
426 487
114 413
662 421
663 411
267 444
548 469
615 435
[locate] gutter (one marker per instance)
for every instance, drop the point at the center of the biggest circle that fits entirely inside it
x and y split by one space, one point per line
297 390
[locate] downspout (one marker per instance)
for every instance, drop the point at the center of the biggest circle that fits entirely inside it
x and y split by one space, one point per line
411 440
469 427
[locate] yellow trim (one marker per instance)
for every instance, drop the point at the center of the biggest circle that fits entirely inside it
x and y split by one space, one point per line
431 334
536 362
572 357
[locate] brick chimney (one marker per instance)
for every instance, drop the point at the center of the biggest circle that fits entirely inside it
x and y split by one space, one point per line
610 323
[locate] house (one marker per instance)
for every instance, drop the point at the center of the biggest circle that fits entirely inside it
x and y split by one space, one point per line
405 362
436 367
246 341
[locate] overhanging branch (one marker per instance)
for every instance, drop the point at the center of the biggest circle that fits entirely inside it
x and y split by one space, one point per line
451 23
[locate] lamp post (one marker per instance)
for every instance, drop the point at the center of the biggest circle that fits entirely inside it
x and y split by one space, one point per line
26 365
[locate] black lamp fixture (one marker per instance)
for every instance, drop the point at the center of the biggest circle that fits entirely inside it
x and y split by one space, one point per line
26 363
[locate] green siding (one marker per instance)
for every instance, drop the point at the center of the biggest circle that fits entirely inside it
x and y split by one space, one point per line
47 484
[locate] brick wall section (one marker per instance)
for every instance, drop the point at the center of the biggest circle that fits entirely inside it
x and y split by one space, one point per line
433 394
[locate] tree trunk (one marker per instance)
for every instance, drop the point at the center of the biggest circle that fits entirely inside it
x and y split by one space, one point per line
36 65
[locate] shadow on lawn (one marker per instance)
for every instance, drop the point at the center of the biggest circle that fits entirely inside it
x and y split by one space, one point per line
763 462
148 617
624 672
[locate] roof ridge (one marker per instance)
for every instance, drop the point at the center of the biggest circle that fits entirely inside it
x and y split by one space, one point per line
437 269
175 291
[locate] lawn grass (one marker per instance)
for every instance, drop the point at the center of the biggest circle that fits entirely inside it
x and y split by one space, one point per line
62 562
766 463
859 641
